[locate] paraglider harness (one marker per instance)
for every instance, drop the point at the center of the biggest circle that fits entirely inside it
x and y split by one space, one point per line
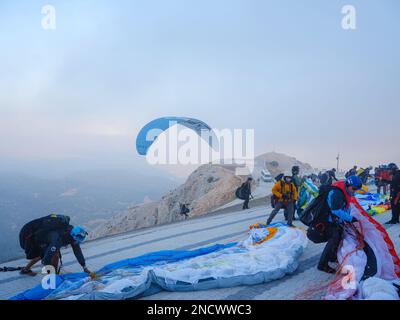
351 172
316 217
44 224
239 193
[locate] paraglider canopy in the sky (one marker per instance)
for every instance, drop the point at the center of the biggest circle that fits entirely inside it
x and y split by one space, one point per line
149 133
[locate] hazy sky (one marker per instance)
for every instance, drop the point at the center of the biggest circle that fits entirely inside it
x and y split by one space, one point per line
80 93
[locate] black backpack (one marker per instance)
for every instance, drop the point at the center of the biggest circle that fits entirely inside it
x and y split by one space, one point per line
44 224
239 193
316 217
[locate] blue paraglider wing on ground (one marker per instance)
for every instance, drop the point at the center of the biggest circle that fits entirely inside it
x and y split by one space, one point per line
265 254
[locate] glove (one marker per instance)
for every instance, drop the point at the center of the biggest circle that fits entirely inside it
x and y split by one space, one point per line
91 274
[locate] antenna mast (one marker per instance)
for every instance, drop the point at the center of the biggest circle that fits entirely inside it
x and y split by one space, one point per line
337 162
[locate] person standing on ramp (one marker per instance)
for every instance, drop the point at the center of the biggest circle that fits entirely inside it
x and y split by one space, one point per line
286 195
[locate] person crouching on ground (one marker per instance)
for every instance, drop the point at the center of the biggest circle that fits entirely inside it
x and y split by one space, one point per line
338 200
286 195
43 238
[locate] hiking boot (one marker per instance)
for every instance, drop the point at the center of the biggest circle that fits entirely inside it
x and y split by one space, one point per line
391 222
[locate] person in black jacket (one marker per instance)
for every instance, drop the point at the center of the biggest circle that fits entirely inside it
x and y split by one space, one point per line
332 175
351 172
365 175
339 213
246 192
184 210
43 238
395 194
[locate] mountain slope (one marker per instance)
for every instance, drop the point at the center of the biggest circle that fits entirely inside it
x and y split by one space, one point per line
206 189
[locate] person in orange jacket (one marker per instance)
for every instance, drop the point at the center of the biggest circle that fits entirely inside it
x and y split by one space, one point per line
286 196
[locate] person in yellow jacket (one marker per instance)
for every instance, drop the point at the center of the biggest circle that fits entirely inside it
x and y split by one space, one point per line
286 195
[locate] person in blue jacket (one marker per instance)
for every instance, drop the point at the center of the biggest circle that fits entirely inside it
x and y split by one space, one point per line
338 201
43 238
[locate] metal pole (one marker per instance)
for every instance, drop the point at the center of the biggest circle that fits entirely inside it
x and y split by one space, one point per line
337 163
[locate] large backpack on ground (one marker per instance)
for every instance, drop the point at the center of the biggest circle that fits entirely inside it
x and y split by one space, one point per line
34 227
316 217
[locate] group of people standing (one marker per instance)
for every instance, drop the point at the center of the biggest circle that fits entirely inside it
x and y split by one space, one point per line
386 178
285 192
382 177
336 195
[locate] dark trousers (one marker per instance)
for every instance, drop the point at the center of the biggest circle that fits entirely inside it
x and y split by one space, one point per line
329 254
395 211
246 203
289 207
384 187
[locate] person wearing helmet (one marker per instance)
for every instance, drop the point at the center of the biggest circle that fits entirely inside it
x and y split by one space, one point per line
394 193
392 166
296 176
338 200
279 177
286 195
43 238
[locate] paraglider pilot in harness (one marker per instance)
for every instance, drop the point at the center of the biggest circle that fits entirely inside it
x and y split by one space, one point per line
286 195
43 238
338 205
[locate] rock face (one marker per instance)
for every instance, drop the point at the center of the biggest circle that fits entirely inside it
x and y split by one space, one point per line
207 188
277 163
